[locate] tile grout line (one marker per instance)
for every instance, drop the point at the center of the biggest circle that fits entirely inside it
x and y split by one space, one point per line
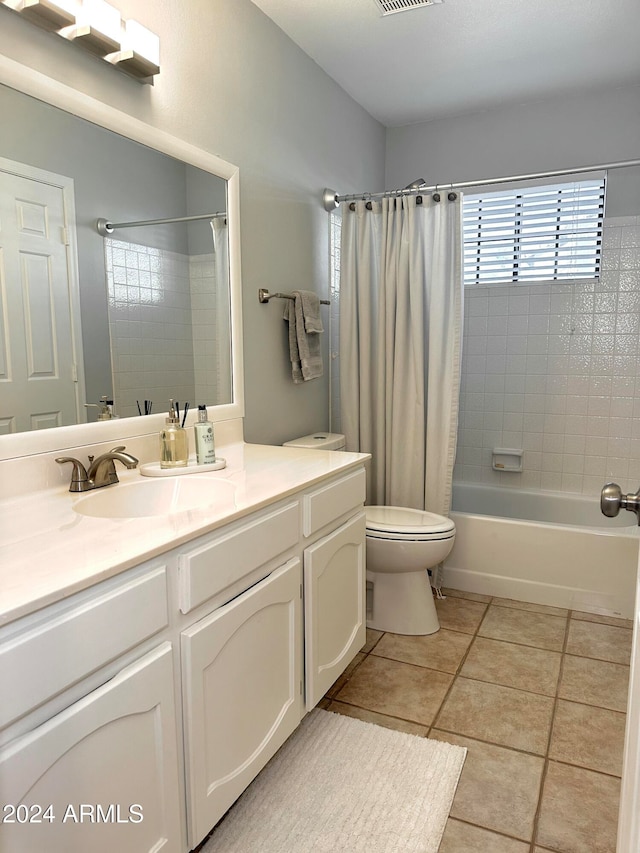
545 769
456 674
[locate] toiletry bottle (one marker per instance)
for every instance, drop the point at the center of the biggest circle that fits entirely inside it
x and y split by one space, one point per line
174 446
203 429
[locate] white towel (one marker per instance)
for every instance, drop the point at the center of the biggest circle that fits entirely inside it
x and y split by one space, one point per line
305 325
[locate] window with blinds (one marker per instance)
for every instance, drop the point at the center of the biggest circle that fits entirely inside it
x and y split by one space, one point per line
534 233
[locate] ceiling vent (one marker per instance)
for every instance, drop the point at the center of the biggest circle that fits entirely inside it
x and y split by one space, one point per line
390 7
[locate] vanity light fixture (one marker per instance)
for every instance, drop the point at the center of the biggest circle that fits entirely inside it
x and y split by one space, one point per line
140 51
98 27
50 14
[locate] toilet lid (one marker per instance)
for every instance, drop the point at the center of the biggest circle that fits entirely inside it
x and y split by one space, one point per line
398 519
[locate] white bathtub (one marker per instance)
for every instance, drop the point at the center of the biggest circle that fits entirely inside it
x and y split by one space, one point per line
543 547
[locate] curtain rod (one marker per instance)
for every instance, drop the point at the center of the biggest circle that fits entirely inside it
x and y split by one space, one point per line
331 199
105 227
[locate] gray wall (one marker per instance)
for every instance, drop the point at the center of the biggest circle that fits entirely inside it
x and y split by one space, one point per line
232 83
542 136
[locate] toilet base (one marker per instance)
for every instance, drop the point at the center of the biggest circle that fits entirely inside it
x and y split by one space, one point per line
403 603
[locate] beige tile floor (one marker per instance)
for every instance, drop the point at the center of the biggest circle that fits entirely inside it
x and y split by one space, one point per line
536 694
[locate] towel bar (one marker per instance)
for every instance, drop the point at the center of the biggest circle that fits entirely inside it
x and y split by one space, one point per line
265 296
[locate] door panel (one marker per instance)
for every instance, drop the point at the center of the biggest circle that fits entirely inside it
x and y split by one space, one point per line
37 356
335 616
242 669
107 766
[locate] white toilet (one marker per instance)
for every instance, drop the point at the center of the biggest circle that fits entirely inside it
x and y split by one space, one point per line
402 543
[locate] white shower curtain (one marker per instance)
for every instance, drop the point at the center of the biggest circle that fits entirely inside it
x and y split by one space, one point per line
400 345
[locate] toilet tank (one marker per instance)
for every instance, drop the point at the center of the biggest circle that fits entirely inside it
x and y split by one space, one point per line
318 441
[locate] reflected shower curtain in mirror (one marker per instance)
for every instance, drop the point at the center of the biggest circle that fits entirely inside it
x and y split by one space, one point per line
400 345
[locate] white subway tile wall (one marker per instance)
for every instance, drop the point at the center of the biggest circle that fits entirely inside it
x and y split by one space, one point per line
553 368
160 320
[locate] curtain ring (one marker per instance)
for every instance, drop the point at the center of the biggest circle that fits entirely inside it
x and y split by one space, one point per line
436 195
452 196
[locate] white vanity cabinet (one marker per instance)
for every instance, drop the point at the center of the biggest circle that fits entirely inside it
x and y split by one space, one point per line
161 692
244 688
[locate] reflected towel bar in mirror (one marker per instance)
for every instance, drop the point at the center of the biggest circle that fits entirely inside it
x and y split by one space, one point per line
265 296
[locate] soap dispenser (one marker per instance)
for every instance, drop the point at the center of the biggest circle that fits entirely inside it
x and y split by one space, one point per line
203 431
174 446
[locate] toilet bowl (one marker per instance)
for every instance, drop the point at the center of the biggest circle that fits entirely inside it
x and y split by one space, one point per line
402 544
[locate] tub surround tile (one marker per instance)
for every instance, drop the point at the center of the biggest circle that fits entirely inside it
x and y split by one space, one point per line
500 715
397 689
462 837
460 614
541 630
443 650
589 737
594 682
579 810
511 665
498 788
603 642
572 329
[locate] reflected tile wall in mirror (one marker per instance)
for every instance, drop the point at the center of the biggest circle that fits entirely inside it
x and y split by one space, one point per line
162 319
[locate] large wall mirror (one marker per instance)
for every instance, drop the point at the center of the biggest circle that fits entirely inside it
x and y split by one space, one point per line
137 311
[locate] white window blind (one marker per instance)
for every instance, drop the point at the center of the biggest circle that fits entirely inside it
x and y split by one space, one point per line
535 233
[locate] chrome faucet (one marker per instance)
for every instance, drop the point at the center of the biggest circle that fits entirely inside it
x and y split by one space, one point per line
102 471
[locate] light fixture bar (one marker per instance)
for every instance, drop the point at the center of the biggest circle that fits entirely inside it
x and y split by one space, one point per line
134 64
98 27
93 40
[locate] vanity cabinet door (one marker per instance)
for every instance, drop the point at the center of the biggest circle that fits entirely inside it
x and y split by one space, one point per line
335 615
102 775
242 691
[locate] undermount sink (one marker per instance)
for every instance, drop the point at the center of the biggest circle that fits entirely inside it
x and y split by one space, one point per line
157 497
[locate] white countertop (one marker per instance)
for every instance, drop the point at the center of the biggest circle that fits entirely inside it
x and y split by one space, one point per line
49 552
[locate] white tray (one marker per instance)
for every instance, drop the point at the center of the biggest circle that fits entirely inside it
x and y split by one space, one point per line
153 469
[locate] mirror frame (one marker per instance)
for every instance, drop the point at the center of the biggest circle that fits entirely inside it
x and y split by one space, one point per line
31 82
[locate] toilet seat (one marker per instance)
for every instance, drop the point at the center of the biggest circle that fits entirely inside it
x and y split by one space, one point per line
406 524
